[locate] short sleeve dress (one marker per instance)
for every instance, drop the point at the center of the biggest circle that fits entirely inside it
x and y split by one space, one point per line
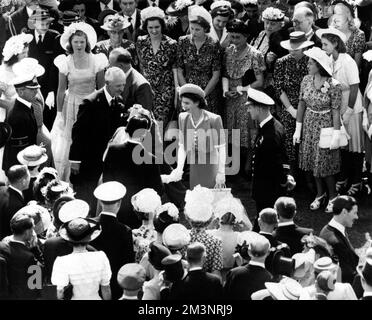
356 43
318 114
198 66
81 83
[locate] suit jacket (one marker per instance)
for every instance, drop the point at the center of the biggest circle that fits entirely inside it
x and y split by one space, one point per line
269 165
18 20
137 27
18 259
3 35
94 8
117 242
242 281
343 249
24 131
292 235
163 4
137 90
96 123
119 166
197 285
10 202
45 54
366 298
314 38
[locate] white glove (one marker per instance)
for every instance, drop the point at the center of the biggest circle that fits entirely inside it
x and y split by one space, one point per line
370 132
165 178
335 141
297 134
220 179
292 111
49 101
365 123
347 115
240 89
175 175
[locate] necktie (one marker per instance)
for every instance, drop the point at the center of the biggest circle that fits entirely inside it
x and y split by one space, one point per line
107 7
40 39
130 28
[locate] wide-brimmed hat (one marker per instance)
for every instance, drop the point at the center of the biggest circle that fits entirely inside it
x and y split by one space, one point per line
334 31
321 57
58 205
259 97
179 8
176 236
131 276
297 40
192 88
110 191
38 15
26 71
80 230
103 14
73 209
157 252
286 289
152 12
365 270
5 133
273 14
15 45
116 23
79 26
32 156
39 214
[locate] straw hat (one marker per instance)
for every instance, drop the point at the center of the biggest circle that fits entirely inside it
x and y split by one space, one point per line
321 57
78 26
330 30
116 23
80 230
297 40
192 88
286 289
32 156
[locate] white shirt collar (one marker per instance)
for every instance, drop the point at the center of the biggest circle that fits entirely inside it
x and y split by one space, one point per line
37 36
125 297
22 242
128 72
214 35
133 16
309 34
107 95
333 223
150 2
263 232
195 268
283 224
108 214
103 6
258 264
27 103
17 190
367 294
29 11
263 122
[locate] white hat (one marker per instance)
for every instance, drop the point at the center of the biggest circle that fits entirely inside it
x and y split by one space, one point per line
192 88
15 45
198 11
273 14
324 263
110 191
286 289
330 30
220 3
321 57
303 262
152 12
260 97
78 26
32 156
73 209
229 204
147 201
199 204
26 71
39 214
176 236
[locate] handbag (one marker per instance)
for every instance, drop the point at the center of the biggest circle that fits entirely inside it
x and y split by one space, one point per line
220 193
326 137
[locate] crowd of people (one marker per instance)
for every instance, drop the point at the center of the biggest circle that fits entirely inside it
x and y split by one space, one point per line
122 122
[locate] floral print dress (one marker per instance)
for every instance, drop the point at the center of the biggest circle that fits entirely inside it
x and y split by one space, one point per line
157 69
198 66
142 237
318 114
356 43
288 75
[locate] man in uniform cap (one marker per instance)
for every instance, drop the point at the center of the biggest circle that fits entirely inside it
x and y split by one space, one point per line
131 277
116 238
269 166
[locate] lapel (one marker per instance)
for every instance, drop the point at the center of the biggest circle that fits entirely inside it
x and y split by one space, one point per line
342 237
337 65
128 85
138 19
16 194
261 132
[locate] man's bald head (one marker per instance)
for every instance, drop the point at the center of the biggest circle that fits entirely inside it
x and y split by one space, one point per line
115 81
121 58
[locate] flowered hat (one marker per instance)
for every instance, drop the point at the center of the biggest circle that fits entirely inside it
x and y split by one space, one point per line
229 204
152 12
273 14
102 17
116 23
179 7
176 236
39 214
32 156
79 26
15 45
165 215
220 3
199 204
147 201
321 57
199 11
26 71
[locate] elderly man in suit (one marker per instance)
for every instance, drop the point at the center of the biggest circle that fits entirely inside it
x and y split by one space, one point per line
137 89
270 167
242 281
287 231
116 238
100 114
345 212
198 284
303 20
11 196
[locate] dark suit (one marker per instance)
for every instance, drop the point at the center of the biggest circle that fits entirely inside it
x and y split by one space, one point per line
269 165
45 52
314 38
24 131
10 202
18 22
119 166
292 235
18 260
163 4
343 249
94 8
117 242
197 285
137 90
136 29
242 281
3 35
96 123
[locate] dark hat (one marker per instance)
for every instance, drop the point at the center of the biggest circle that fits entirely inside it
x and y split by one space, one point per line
69 17
157 252
38 15
103 14
173 268
282 265
131 276
365 270
237 26
179 8
348 4
5 133
165 216
80 230
69 4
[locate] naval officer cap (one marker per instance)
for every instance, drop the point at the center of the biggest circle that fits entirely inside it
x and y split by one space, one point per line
110 191
257 96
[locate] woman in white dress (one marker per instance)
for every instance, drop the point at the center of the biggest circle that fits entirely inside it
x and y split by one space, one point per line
80 74
15 49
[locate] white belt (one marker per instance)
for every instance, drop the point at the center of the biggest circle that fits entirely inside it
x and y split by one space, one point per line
319 112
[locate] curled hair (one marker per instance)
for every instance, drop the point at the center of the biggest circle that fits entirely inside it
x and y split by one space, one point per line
335 40
41 182
78 33
223 11
161 21
203 23
137 122
195 98
228 219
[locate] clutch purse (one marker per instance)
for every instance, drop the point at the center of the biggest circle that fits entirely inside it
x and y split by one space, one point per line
326 137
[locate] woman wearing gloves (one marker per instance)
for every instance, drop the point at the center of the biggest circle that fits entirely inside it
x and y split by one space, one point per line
318 107
345 70
202 139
